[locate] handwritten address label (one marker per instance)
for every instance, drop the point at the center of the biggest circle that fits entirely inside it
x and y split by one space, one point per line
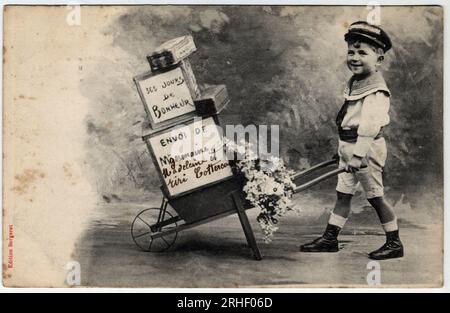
167 95
191 156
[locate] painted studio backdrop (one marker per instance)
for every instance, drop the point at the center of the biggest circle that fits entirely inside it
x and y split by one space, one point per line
282 66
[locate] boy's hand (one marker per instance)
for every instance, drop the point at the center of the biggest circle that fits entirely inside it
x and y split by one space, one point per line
354 164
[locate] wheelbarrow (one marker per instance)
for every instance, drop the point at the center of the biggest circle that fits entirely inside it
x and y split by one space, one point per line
156 229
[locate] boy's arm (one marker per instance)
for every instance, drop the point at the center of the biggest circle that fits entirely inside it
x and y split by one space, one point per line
374 115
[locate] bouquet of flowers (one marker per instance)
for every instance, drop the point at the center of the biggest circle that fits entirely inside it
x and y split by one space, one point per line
269 187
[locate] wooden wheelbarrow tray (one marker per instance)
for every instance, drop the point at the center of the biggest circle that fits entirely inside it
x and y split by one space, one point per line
156 229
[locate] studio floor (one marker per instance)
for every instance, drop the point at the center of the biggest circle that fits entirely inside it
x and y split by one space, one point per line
215 254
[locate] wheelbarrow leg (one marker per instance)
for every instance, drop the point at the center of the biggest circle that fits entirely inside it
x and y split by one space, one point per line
249 235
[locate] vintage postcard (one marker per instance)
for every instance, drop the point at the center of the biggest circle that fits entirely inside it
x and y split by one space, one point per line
287 146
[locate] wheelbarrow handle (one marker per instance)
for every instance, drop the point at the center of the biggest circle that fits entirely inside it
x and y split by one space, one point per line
313 168
318 179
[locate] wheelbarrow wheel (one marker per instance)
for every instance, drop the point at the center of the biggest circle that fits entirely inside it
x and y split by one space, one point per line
141 231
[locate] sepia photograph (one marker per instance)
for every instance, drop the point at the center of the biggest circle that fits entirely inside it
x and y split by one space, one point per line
223 146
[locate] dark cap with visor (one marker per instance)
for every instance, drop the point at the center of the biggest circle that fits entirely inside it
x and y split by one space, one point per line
369 33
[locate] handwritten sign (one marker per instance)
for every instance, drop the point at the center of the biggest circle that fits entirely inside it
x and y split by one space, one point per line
190 157
165 96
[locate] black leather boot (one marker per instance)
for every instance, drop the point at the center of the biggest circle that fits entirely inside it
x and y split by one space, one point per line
327 243
393 248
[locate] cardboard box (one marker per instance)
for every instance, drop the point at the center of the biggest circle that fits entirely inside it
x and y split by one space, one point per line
168 96
171 52
190 156
214 99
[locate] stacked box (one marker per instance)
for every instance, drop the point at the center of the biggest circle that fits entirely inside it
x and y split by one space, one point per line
168 91
185 139
189 157
171 52
214 99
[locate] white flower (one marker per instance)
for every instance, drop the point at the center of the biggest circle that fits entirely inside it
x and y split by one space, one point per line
269 188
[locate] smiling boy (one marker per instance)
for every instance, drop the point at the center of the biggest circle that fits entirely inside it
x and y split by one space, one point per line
362 148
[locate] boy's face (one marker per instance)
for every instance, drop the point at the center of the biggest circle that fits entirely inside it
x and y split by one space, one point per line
362 58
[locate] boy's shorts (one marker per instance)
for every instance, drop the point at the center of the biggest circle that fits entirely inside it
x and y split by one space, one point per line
370 176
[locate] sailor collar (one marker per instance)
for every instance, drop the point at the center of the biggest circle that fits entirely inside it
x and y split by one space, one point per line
359 88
